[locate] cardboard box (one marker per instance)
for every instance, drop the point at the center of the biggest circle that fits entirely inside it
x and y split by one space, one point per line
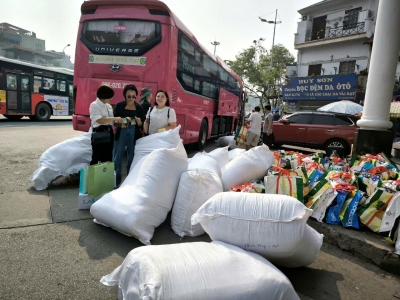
85 201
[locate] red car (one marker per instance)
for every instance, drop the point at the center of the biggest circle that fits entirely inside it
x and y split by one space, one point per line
318 130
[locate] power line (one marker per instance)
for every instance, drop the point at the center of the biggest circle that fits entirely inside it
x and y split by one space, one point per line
268 13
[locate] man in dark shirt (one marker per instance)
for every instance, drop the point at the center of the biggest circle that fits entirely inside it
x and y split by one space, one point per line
276 114
145 95
268 135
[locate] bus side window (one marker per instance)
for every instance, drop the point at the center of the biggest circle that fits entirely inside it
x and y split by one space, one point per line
11 82
61 85
49 84
25 84
37 83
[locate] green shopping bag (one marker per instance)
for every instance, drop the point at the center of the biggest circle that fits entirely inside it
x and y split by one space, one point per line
100 179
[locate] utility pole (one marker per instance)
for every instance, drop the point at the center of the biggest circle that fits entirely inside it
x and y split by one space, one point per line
215 44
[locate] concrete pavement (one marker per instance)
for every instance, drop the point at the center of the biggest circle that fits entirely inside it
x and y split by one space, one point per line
51 250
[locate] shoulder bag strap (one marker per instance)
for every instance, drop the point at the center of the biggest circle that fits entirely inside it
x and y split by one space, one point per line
150 115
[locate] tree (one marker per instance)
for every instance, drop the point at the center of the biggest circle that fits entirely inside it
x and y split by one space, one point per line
253 65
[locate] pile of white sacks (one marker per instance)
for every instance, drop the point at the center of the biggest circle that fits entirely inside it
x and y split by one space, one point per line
249 231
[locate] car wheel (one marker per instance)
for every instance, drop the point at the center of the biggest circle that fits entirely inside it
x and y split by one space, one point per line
201 143
13 118
338 145
43 112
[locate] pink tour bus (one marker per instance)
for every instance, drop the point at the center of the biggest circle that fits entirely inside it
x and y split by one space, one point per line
142 42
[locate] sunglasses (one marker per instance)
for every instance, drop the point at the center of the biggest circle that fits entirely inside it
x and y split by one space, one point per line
130 97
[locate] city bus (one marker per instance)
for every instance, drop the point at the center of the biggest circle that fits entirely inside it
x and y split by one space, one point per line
27 89
143 43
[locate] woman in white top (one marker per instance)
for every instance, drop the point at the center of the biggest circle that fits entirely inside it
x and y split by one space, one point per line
160 117
102 117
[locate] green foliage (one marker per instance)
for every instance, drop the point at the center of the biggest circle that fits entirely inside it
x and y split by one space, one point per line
253 65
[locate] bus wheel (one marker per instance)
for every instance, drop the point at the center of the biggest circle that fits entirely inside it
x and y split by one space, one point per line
13 118
43 112
201 143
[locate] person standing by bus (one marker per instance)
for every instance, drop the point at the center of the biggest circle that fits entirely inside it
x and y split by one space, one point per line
253 135
145 95
268 134
102 117
160 117
129 131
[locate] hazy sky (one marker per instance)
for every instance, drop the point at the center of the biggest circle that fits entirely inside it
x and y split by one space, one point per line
233 23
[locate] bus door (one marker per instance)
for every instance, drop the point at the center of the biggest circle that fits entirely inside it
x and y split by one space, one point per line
18 93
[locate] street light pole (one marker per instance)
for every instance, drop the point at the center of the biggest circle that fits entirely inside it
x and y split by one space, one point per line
273 38
66 47
215 44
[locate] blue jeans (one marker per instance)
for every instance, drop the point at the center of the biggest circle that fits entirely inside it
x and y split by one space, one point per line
126 138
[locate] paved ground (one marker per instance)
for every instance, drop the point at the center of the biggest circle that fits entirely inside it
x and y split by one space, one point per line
51 250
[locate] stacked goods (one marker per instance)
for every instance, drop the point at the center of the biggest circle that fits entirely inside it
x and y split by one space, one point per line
197 271
251 165
354 196
254 186
199 183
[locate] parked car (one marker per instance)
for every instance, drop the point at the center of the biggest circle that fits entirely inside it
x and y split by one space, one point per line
318 130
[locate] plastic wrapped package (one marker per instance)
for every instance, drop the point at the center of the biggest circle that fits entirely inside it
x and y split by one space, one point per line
274 226
195 188
197 271
220 155
146 196
62 159
251 165
164 140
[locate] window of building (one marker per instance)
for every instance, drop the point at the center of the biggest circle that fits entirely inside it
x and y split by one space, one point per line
318 29
314 70
351 18
323 120
347 67
38 47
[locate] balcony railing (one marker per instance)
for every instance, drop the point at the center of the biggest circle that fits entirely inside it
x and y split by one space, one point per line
335 32
347 30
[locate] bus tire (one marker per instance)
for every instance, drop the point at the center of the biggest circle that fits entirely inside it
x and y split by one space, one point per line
201 143
43 112
13 118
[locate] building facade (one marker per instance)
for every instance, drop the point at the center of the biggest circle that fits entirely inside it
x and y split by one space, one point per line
334 38
21 44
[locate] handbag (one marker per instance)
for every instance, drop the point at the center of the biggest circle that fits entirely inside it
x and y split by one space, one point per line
100 137
100 179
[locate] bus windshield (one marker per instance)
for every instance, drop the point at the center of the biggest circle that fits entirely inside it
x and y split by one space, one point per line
121 32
